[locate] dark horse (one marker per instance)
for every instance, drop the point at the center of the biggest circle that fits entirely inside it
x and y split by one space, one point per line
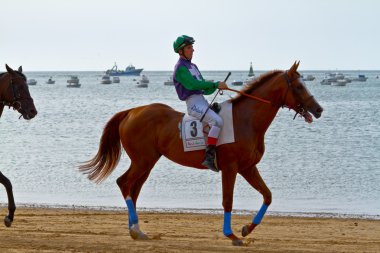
14 93
148 132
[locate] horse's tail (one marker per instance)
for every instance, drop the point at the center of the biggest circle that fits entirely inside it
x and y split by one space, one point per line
109 152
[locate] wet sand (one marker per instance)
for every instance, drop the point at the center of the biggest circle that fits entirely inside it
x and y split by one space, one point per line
83 230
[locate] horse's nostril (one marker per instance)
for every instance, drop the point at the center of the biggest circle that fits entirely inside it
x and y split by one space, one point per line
320 110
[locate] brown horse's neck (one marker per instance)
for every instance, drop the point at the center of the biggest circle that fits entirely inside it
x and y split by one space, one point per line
258 115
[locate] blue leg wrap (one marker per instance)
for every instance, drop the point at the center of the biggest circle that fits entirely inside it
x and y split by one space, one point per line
129 222
259 216
131 212
227 224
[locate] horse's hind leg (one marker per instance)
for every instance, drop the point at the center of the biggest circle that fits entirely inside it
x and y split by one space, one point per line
253 177
130 184
11 203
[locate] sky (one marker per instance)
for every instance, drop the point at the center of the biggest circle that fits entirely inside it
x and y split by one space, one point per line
85 35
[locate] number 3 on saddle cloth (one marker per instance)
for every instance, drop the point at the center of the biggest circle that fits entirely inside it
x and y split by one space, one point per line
194 133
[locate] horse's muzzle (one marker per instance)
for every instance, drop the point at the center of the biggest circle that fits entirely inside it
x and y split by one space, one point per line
28 112
316 110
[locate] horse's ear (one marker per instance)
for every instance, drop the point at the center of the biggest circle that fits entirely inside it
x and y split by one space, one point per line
20 69
8 69
294 68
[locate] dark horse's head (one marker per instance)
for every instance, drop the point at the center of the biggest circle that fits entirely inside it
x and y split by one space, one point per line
298 97
14 92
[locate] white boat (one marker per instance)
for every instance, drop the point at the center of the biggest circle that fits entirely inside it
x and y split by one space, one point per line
237 82
308 78
143 83
106 79
334 78
249 80
339 82
169 81
73 82
50 81
360 78
327 81
115 79
31 82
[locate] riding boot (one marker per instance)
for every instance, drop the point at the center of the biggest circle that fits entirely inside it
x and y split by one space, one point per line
209 161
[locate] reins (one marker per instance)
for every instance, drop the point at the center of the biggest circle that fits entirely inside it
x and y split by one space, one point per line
250 96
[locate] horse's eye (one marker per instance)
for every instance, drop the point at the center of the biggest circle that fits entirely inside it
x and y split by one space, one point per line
299 87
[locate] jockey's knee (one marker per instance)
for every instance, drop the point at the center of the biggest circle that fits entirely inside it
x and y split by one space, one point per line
218 122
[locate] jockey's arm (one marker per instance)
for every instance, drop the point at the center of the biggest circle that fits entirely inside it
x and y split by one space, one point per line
184 76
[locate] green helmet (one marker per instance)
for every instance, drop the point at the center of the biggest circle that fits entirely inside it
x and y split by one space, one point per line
181 42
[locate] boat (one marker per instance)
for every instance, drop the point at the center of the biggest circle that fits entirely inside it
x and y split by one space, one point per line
337 78
73 82
250 73
339 82
143 83
115 79
237 82
106 79
129 71
169 81
31 82
308 78
249 80
360 78
50 81
327 81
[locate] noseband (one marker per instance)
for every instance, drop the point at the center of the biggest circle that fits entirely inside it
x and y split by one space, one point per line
301 107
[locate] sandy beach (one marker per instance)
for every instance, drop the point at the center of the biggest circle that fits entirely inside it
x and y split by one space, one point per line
84 230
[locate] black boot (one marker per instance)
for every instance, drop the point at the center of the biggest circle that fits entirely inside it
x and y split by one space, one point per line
209 161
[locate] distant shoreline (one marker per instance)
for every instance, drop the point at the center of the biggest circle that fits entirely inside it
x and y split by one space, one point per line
210 211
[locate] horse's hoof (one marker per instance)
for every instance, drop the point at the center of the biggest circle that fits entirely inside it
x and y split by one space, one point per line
138 235
7 221
245 231
237 242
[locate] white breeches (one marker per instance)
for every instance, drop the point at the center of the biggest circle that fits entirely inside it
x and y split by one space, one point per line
197 106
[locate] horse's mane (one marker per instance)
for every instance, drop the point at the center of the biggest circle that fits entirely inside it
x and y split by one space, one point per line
253 85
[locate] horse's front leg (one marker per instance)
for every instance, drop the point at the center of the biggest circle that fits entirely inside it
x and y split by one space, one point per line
253 177
228 183
11 203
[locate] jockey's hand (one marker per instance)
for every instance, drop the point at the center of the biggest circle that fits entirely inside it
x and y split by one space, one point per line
222 85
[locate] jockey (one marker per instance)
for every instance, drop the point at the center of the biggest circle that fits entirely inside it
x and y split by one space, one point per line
191 87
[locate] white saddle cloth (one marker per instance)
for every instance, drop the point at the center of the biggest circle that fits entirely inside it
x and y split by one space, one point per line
194 133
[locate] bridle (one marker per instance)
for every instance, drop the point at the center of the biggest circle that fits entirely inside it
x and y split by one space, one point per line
301 107
16 100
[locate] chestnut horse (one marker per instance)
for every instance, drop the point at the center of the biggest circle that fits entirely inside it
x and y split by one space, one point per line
148 132
14 93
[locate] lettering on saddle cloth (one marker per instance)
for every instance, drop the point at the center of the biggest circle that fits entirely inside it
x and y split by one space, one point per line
194 133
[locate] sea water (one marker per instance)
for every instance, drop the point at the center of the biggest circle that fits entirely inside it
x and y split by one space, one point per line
329 167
